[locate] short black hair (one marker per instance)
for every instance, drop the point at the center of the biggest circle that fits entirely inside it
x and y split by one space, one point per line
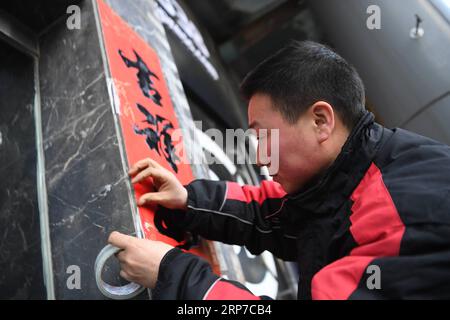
303 73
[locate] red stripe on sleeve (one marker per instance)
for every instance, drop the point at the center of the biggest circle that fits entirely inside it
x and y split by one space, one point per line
376 228
268 189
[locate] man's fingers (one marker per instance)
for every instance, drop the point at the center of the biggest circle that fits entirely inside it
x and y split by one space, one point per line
142 175
153 163
119 240
138 166
152 197
120 255
149 172
125 275
141 165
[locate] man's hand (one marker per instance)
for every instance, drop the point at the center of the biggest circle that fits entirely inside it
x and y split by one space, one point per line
170 192
140 258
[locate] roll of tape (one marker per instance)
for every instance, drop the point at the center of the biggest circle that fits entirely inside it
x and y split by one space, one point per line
128 291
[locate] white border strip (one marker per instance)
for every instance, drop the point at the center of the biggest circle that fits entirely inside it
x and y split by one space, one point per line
47 262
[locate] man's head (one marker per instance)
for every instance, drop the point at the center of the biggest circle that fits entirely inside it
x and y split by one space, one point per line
314 97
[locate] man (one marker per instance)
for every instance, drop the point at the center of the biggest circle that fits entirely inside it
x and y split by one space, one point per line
364 210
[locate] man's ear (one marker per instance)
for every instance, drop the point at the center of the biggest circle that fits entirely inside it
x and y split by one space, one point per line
324 120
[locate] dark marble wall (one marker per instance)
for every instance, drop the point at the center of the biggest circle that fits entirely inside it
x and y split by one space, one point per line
88 190
21 272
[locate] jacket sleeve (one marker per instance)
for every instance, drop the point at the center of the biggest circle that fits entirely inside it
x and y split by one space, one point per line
184 276
234 214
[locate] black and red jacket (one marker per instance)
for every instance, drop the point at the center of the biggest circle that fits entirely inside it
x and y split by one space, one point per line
384 202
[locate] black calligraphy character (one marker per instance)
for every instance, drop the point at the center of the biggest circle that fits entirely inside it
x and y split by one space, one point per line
144 76
153 136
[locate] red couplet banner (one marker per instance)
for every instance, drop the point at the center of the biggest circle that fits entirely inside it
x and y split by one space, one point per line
148 121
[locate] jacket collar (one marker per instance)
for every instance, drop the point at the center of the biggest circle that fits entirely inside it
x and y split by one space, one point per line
338 182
